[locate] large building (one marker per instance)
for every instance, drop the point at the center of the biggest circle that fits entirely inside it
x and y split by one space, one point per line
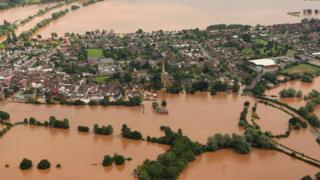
264 65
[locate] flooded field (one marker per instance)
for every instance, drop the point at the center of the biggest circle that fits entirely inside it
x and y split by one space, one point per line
198 115
15 14
80 154
298 85
259 164
304 87
127 16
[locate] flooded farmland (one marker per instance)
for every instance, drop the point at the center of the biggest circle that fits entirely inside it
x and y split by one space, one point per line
198 115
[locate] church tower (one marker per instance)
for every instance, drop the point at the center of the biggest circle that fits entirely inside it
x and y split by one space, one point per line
165 79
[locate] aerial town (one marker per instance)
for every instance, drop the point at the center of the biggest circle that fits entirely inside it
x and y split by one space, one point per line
101 65
159 90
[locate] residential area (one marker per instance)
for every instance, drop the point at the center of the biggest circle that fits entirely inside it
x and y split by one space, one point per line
105 66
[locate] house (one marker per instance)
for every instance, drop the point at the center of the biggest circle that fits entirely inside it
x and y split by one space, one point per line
316 54
107 67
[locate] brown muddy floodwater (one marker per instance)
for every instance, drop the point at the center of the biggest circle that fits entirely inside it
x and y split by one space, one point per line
298 85
19 13
199 116
77 153
259 164
129 15
300 137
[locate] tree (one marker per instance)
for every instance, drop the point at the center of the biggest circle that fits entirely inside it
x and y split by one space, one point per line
54 35
25 164
83 128
32 120
306 178
164 103
127 133
155 105
4 115
318 175
44 164
235 87
240 145
135 101
118 159
58 166
246 38
220 86
103 130
9 39
107 161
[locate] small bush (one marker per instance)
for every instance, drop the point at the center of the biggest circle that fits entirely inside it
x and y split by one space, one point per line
83 128
107 161
44 164
118 159
25 164
58 166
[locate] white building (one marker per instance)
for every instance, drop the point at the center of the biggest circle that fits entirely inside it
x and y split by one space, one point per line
264 65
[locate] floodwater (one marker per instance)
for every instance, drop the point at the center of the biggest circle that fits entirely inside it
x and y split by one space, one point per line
300 136
20 13
298 85
259 164
129 15
33 22
80 154
199 116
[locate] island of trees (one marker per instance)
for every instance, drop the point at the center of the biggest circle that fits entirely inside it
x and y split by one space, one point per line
117 159
103 130
126 132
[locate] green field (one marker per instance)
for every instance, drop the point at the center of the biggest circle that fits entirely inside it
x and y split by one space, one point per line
101 79
1 46
260 41
249 51
291 52
95 53
302 68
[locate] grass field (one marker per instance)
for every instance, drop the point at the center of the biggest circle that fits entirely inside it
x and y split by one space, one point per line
291 52
1 46
101 79
302 68
262 42
95 53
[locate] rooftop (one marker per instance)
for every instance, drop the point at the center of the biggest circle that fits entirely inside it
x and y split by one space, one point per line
263 62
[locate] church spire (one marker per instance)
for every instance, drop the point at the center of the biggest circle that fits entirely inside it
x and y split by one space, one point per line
163 67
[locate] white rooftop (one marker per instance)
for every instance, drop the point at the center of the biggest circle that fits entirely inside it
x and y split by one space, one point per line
263 62
316 53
